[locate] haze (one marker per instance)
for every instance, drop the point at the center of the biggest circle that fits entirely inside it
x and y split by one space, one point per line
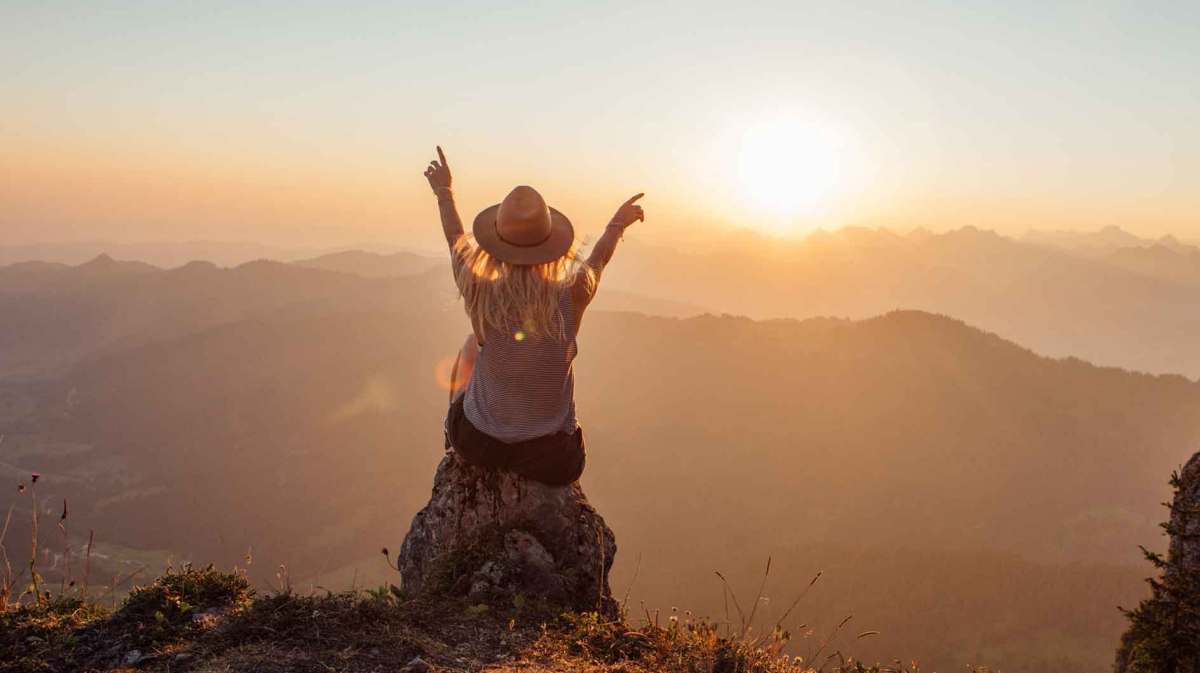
915 302
307 125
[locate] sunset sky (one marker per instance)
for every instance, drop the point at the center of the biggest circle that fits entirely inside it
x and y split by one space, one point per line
310 123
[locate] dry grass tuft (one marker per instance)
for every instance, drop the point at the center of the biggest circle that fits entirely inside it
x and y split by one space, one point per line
205 620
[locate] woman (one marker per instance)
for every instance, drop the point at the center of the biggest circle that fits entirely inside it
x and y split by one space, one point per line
525 290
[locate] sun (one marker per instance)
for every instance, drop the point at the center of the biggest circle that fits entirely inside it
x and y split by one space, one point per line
789 167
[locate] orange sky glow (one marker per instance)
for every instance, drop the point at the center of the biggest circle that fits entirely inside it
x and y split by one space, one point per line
311 127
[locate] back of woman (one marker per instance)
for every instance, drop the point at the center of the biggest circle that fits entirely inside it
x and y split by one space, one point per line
525 290
523 383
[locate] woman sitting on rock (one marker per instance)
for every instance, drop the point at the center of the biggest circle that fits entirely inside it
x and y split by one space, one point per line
525 289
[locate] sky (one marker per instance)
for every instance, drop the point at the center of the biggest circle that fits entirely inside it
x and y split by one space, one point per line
310 123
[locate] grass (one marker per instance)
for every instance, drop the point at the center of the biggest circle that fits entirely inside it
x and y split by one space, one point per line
205 620
176 601
45 636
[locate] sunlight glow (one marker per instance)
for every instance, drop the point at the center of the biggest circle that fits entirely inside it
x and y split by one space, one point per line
446 376
790 167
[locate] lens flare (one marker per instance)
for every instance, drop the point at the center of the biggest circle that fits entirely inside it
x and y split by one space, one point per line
445 376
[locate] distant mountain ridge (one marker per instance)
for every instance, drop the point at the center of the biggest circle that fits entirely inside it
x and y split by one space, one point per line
1104 240
165 254
1110 237
60 314
372 264
1105 308
1061 294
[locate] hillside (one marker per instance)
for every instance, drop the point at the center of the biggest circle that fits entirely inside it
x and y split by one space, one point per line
60 315
161 253
374 265
1180 264
370 264
1107 297
880 451
1059 301
1104 241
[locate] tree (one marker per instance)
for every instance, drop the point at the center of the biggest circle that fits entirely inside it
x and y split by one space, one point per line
1164 630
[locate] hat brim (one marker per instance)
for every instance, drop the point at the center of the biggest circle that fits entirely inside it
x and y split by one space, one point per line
562 235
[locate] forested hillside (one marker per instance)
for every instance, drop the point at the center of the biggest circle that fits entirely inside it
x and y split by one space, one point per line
887 452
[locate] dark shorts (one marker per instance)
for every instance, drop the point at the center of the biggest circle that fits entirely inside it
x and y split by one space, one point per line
555 459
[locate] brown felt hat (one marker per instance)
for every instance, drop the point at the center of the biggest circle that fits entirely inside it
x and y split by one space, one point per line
522 229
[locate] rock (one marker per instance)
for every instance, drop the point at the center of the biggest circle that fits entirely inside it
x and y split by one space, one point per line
417 665
132 657
211 617
495 536
1183 555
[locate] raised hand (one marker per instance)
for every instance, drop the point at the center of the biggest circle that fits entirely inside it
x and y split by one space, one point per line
628 213
438 173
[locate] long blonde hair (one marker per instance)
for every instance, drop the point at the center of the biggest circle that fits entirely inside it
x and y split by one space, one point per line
506 296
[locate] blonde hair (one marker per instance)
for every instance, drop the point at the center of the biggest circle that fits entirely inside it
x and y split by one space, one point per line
506 296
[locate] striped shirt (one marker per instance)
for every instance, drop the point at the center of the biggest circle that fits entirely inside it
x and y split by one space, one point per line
523 385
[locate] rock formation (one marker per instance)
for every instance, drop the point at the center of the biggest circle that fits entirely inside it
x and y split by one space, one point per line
495 536
1164 631
1184 553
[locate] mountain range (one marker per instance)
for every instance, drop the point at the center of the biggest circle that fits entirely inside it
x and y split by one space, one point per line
973 500
1136 307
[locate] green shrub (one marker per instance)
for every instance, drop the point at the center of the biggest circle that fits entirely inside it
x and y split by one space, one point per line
1164 630
164 609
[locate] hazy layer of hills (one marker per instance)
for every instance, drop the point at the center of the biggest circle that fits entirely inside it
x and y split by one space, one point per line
370 264
56 314
158 253
972 500
1135 306
1103 241
1107 296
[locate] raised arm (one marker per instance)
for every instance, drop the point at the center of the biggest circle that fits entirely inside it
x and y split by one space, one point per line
602 252
627 214
438 174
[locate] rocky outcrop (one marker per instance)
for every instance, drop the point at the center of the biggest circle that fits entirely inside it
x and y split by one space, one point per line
1164 630
496 536
1183 557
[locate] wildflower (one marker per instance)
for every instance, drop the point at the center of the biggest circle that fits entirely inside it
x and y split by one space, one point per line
35 477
